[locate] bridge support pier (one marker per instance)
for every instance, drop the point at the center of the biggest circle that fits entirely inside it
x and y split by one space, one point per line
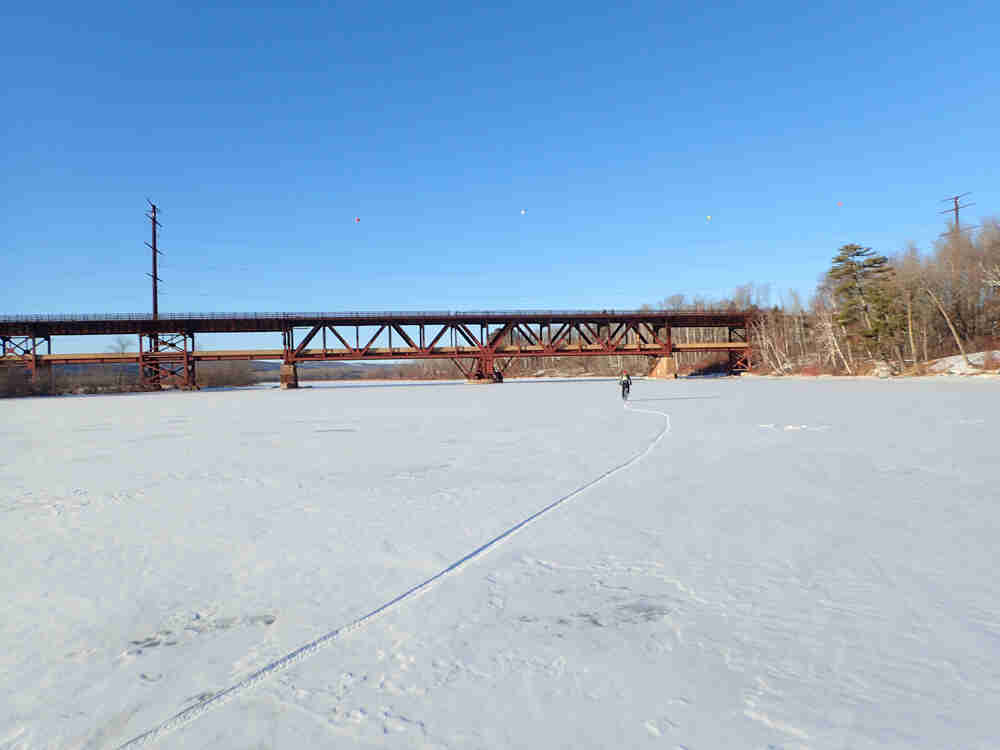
165 359
23 351
666 367
739 361
485 369
488 371
289 376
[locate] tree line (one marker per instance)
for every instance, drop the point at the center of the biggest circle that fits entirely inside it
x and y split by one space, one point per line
868 309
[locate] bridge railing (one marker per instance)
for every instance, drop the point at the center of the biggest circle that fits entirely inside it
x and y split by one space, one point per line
90 317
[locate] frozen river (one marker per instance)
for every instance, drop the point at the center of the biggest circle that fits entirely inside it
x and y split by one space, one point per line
752 563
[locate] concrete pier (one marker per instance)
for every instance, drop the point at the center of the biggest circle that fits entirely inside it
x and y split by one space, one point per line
666 367
289 376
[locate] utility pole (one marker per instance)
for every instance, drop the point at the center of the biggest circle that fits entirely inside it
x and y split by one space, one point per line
151 374
152 217
956 199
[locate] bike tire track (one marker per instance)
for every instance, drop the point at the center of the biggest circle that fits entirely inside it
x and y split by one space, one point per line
190 714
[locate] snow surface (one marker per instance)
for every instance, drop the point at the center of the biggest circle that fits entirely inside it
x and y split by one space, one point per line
955 365
783 564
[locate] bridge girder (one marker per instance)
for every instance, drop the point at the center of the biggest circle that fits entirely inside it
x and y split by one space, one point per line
168 356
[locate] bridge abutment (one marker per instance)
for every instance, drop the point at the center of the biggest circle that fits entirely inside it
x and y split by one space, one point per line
289 377
666 367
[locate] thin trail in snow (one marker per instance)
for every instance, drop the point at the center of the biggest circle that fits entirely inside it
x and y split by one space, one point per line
279 665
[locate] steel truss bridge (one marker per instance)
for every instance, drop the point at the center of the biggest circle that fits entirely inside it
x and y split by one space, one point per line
479 343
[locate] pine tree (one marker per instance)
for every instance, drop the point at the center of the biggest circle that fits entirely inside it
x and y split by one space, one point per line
866 306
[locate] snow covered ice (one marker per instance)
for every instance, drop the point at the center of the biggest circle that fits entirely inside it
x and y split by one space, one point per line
795 564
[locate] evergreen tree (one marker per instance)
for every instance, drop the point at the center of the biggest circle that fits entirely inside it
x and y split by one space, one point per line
866 306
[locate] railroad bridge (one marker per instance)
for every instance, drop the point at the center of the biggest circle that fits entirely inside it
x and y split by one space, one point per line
479 343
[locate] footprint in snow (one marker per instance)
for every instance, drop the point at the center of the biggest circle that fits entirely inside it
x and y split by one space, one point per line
196 626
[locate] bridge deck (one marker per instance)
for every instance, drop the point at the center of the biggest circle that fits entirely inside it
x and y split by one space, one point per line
135 323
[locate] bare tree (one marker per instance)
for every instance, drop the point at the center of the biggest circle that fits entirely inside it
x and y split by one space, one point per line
945 293
907 278
771 343
120 345
825 311
992 276
989 239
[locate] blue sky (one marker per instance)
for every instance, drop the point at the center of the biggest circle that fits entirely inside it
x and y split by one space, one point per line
263 130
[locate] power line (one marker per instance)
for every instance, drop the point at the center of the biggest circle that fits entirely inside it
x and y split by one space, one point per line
955 200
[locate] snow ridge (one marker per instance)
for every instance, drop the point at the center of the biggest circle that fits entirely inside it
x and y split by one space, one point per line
279 665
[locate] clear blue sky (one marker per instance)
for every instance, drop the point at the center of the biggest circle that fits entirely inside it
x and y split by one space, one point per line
263 130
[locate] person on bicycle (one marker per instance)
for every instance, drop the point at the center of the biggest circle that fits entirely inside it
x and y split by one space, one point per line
626 383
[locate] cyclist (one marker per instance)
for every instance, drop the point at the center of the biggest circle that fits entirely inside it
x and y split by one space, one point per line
626 383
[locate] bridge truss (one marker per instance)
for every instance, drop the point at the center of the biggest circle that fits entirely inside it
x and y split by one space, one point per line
479 343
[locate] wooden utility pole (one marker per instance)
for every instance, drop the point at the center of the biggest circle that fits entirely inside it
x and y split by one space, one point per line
955 199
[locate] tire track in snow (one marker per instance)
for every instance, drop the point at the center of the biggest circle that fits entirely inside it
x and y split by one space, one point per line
279 665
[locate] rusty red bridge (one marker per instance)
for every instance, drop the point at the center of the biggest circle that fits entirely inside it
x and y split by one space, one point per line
480 343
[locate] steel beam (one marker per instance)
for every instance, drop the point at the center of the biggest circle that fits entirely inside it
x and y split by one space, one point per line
309 337
406 338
